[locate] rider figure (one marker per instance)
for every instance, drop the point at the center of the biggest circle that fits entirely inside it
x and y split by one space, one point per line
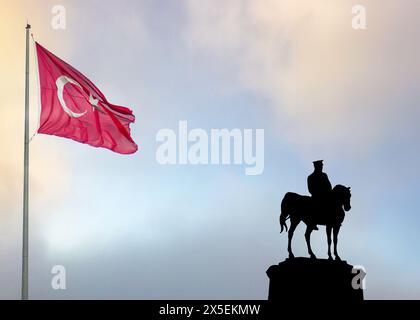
319 187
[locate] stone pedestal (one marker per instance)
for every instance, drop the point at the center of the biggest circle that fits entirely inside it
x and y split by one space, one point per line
312 280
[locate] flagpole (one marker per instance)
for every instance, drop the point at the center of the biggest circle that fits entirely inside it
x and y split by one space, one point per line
26 177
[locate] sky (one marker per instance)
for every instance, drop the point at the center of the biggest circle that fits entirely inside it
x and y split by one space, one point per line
127 227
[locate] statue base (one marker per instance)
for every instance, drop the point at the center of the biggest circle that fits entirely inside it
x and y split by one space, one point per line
308 279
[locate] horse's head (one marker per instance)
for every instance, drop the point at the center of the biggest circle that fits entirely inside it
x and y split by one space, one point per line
343 195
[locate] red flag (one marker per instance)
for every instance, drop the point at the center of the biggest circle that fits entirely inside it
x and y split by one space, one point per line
73 107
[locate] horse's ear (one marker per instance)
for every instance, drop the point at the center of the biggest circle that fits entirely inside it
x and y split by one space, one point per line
349 188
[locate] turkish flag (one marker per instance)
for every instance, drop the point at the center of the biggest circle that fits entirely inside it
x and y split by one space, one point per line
73 107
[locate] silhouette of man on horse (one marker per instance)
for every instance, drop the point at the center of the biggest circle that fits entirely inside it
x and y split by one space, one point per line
320 188
326 206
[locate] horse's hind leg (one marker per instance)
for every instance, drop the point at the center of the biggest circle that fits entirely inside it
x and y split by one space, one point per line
293 224
328 230
308 241
336 230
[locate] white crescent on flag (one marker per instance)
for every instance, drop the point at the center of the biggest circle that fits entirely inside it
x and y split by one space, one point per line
61 82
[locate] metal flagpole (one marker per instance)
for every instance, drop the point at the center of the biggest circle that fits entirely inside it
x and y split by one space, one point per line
26 177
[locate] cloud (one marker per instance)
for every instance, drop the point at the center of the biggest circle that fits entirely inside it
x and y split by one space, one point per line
333 89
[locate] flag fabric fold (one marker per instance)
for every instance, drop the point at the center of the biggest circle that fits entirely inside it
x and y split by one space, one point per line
73 107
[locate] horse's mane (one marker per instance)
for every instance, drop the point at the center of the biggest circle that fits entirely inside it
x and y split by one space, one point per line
340 188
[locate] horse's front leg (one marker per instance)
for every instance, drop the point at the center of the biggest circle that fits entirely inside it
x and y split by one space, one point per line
308 241
328 230
336 230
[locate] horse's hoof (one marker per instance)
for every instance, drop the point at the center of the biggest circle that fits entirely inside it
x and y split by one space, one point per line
312 256
330 258
337 258
291 256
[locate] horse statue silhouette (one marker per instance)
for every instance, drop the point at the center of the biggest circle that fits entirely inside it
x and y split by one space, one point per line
303 208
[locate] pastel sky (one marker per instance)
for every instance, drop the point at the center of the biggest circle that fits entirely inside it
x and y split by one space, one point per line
127 227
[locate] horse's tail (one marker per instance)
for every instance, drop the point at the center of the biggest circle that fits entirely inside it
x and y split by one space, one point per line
284 212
